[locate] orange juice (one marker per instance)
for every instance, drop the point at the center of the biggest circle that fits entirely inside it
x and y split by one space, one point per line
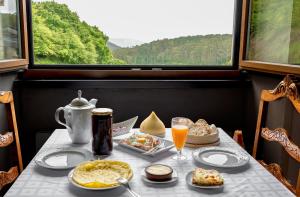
179 133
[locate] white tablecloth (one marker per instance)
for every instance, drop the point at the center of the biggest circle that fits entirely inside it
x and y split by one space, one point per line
251 180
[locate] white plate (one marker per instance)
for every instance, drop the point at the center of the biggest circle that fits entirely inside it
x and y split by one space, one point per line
124 127
70 178
220 157
189 177
167 146
173 180
62 158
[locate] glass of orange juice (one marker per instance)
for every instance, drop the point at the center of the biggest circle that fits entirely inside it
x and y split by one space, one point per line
180 130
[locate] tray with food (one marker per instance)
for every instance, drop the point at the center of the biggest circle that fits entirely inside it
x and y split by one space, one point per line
146 144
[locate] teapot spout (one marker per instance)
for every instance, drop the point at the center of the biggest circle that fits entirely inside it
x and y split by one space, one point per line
93 101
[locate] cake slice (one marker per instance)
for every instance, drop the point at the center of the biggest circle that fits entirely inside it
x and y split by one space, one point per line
204 177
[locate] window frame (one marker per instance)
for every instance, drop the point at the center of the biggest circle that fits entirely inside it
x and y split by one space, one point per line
122 69
261 66
19 63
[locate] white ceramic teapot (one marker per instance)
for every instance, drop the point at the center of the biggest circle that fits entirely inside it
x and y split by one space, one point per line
78 118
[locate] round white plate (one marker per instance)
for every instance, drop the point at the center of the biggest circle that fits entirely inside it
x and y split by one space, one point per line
62 158
189 177
220 157
70 178
173 180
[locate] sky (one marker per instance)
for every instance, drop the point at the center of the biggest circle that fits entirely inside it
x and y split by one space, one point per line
148 20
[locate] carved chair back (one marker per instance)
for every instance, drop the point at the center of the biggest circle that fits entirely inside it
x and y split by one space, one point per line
285 89
7 138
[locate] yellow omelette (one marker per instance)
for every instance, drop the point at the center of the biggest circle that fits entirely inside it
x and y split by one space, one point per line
101 173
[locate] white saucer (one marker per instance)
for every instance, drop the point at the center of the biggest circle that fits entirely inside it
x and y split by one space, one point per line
220 157
173 180
62 158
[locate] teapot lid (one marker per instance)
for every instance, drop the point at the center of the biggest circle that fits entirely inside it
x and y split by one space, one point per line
80 101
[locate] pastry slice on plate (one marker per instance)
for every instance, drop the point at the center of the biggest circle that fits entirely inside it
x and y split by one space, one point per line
203 177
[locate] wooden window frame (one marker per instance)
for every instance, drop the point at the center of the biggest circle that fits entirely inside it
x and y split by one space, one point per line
261 66
134 71
19 63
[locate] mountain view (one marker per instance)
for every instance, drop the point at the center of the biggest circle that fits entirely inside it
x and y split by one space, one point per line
190 50
61 37
124 43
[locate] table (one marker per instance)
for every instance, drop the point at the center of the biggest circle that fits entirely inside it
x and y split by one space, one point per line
251 180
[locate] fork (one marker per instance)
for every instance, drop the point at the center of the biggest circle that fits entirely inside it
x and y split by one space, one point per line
154 149
124 182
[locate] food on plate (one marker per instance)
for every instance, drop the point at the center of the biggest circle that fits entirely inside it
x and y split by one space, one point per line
158 172
203 177
153 126
101 173
202 133
141 141
186 121
202 128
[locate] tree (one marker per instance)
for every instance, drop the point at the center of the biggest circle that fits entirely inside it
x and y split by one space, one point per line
60 37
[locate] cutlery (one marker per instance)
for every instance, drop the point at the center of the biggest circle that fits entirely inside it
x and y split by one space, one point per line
124 182
152 150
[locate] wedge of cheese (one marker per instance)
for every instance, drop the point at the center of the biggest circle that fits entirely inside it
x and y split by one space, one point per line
101 173
153 126
207 177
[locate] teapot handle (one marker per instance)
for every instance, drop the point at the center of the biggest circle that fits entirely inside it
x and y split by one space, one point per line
58 121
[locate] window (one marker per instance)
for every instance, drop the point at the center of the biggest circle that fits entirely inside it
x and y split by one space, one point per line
9 30
272 37
133 33
13 35
274 31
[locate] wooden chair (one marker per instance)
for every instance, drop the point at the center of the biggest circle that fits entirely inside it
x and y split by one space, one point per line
8 138
285 89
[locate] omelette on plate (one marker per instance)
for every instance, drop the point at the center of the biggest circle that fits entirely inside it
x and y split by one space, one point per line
101 173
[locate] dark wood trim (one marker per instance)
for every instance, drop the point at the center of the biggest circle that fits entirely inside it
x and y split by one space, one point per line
8 177
125 74
260 66
6 98
22 63
287 88
270 67
6 139
13 64
244 28
24 41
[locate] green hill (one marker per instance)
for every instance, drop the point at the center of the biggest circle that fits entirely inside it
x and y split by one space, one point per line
112 46
190 50
60 37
